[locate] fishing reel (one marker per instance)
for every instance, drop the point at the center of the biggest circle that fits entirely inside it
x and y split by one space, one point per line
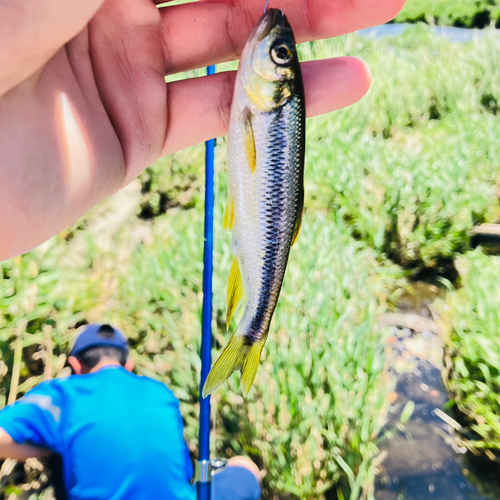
205 469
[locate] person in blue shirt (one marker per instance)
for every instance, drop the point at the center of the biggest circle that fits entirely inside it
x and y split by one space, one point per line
119 435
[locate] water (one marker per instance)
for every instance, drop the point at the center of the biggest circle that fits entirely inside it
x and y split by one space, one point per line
423 460
449 32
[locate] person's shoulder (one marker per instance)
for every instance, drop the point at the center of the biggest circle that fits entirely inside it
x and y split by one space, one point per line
151 382
117 377
68 385
49 394
153 385
50 386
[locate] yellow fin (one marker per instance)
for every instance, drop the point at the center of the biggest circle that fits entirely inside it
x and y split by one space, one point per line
229 213
298 222
296 229
249 140
250 366
235 291
238 355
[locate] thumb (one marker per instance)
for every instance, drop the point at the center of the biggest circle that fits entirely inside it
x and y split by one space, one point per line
32 31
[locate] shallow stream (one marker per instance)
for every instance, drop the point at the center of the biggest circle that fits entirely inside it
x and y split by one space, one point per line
451 33
422 458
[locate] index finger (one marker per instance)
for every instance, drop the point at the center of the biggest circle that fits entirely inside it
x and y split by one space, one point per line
208 32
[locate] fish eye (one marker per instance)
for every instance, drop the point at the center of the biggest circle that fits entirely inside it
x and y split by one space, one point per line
281 54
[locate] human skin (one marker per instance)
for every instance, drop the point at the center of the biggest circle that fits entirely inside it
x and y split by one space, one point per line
84 107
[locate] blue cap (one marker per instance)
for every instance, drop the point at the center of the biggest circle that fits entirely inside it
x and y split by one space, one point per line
99 335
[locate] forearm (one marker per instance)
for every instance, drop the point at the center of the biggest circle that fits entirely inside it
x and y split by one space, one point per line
10 449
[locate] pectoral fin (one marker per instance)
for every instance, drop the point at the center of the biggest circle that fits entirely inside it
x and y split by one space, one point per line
235 291
249 140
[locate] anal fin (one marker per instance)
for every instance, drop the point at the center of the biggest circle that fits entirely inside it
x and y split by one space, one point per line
235 290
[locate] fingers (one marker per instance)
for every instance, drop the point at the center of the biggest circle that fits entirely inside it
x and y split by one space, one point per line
212 31
199 108
128 68
32 31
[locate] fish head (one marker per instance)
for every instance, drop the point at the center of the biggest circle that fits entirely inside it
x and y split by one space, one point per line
270 65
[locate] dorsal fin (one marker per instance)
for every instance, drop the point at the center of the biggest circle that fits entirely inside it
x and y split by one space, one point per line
298 222
296 229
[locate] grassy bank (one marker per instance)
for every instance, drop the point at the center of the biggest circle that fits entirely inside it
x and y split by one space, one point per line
299 423
398 179
474 350
414 165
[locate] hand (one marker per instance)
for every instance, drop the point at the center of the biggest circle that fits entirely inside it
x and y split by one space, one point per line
83 103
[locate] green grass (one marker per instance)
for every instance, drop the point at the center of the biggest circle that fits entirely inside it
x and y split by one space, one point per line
466 13
402 175
312 418
414 164
292 400
474 348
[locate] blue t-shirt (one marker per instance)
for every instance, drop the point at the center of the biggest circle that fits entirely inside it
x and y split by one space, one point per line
120 436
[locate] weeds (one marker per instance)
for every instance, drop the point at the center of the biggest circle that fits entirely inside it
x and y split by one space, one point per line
463 13
474 350
403 175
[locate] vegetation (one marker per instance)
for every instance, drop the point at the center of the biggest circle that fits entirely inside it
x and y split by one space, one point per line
310 434
393 184
463 13
474 350
413 166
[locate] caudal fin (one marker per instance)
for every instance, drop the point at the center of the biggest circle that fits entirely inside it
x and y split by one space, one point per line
237 355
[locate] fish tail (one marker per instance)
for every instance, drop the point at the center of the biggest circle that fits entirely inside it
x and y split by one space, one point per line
238 355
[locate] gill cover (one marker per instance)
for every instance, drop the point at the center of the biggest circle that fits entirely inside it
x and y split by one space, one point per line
269 79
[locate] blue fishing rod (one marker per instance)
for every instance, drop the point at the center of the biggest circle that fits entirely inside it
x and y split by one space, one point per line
203 467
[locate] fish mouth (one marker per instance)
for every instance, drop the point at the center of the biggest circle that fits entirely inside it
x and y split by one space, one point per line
270 19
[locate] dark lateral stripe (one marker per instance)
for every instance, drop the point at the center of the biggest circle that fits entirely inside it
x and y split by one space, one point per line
284 171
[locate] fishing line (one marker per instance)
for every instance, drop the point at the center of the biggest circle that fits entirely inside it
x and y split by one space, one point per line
265 6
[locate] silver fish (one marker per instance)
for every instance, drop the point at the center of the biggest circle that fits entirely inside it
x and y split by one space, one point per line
266 146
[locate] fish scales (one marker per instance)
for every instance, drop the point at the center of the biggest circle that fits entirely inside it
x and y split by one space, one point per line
282 179
266 146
